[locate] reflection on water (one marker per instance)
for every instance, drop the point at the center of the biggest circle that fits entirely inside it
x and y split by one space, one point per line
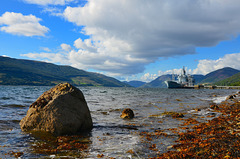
111 135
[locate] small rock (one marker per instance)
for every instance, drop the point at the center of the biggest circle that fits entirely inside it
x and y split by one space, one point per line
127 114
169 147
105 113
230 97
197 109
178 115
214 106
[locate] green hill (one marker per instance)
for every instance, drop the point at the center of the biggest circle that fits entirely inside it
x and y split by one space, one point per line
28 72
219 75
231 81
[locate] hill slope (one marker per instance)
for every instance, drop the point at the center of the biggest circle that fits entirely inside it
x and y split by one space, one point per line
158 82
28 72
231 81
219 75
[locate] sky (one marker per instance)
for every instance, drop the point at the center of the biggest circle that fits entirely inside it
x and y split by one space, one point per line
127 39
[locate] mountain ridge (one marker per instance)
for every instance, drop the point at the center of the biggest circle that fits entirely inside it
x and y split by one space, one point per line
29 72
219 75
210 78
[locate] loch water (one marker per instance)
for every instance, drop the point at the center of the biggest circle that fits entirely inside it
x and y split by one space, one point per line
111 135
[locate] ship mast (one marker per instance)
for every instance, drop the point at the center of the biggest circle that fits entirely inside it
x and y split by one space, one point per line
184 72
173 76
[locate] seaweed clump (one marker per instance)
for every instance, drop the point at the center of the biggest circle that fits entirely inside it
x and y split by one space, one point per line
74 146
173 114
217 138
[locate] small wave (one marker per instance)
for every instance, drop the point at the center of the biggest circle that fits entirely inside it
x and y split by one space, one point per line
6 98
14 106
216 100
219 99
202 112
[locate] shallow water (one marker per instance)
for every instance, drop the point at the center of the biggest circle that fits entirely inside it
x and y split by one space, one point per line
111 135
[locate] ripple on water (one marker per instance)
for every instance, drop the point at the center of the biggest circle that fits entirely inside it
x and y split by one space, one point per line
14 106
111 135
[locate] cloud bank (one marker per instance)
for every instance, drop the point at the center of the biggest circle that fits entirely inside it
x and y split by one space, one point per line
126 35
229 60
18 24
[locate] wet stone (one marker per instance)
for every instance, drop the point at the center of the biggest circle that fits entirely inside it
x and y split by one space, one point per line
127 114
61 111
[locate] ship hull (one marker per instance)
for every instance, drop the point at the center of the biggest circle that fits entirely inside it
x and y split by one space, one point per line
173 84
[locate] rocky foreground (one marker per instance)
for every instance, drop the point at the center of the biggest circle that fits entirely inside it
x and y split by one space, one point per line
217 138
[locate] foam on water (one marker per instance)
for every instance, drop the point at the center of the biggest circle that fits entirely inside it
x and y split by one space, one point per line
218 100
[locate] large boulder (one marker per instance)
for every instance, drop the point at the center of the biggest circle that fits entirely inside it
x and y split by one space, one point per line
61 110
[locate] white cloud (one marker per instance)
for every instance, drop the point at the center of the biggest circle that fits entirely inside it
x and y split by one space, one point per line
115 64
174 71
66 47
18 24
49 2
126 35
87 44
45 49
48 57
4 56
54 11
229 60
147 77
148 30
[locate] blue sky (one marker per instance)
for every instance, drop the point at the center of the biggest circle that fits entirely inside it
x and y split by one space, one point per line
127 39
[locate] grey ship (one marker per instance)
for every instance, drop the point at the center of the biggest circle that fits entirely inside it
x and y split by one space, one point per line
183 81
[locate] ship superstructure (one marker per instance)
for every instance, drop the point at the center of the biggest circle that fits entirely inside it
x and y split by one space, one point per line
183 80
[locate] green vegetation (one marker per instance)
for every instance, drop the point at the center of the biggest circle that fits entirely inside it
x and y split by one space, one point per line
231 81
219 75
28 72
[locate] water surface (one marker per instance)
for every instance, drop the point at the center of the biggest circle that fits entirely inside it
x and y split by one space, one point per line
111 135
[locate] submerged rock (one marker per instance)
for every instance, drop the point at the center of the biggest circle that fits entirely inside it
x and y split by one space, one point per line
61 110
230 97
173 114
127 114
